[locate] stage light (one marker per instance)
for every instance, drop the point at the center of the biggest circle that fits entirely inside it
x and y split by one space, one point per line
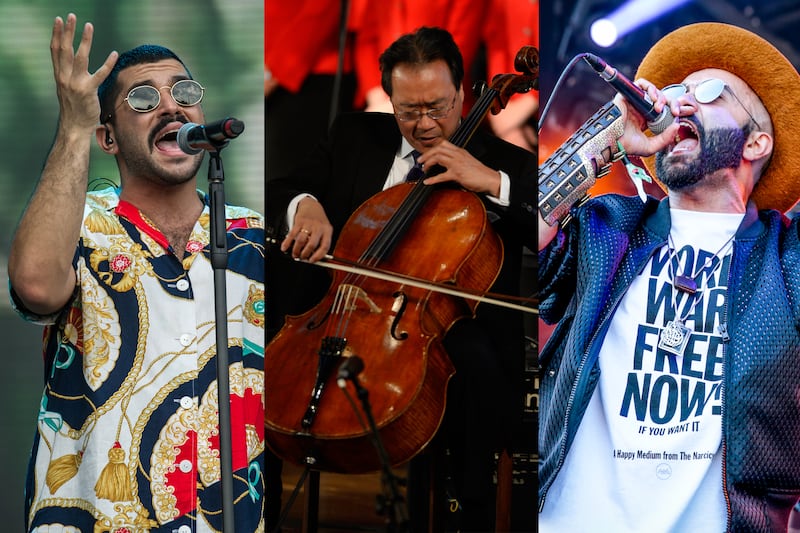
626 18
603 32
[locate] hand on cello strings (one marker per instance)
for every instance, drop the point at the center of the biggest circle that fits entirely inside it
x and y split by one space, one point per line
309 238
460 167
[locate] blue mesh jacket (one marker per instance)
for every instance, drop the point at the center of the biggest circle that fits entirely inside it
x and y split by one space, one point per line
583 274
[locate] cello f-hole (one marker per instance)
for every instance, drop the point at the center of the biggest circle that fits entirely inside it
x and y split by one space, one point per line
399 307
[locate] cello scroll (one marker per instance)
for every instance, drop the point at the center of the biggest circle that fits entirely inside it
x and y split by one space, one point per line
527 63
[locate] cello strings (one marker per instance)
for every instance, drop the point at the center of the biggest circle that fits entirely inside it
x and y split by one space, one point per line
419 193
399 221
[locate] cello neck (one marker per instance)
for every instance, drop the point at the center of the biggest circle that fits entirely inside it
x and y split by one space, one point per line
492 98
470 124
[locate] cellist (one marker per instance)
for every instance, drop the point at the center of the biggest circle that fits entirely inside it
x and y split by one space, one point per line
365 153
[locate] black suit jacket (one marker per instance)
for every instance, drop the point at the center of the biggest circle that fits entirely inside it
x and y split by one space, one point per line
351 166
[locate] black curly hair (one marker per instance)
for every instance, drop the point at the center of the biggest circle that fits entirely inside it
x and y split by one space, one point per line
425 45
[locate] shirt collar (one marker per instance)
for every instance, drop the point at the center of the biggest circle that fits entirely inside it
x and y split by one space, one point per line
405 149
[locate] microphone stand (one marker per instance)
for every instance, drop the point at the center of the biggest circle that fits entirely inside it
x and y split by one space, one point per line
337 80
219 262
394 504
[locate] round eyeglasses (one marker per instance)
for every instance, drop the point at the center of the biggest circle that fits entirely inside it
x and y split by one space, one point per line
705 92
146 98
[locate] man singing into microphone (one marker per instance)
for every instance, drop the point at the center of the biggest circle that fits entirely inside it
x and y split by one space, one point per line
127 434
670 392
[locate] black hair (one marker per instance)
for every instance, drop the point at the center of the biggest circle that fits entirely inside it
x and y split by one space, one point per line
146 53
423 46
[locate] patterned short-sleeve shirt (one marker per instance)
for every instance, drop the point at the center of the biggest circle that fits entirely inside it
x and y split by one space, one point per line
127 436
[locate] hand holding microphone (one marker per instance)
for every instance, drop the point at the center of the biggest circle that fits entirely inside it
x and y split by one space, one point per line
567 175
656 122
636 142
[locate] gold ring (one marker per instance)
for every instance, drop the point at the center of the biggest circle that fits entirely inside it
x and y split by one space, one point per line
304 230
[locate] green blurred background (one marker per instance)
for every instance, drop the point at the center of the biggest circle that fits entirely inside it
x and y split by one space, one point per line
221 43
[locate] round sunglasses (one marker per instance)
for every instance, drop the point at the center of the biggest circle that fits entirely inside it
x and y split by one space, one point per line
705 92
146 98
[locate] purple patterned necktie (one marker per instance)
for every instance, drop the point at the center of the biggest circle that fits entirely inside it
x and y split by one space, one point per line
416 171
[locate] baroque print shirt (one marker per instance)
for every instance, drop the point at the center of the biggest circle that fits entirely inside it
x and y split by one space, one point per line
127 437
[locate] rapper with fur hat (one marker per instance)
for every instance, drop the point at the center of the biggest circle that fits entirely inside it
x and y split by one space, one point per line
768 73
610 280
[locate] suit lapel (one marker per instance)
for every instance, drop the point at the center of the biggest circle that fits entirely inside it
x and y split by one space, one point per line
374 161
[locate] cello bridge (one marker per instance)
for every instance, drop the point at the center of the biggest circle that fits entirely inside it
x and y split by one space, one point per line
348 297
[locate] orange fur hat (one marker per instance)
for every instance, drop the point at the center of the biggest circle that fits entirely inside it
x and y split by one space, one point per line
768 73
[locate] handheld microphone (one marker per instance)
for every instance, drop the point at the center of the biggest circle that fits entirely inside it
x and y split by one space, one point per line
349 369
194 138
655 122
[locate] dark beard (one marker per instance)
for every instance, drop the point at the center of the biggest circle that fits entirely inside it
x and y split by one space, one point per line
143 166
719 148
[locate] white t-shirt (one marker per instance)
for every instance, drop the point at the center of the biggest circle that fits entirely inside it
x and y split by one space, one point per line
647 455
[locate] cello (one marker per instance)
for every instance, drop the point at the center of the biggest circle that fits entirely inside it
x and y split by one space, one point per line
396 328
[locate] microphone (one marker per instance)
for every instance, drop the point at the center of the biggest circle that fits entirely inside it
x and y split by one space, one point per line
349 369
655 122
194 138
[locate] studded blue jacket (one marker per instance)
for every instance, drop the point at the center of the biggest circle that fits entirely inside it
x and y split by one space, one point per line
584 273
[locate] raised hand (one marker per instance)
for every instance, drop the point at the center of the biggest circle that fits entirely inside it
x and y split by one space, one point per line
75 86
50 225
